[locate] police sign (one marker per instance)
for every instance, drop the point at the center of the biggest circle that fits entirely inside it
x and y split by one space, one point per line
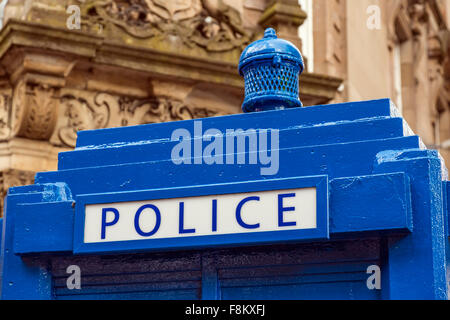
255 212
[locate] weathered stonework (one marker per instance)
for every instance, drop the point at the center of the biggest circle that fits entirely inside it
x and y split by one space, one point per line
412 40
86 110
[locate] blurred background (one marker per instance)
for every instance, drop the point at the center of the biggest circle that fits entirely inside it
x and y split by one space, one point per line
70 65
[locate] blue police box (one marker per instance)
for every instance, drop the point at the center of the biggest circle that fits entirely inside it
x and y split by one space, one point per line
327 202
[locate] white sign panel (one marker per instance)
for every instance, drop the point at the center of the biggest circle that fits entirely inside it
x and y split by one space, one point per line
293 209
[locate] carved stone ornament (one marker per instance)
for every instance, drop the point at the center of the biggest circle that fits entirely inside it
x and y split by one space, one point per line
34 110
80 113
210 24
419 16
89 110
5 107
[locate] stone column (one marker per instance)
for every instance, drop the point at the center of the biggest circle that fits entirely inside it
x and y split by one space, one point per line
330 40
421 96
285 16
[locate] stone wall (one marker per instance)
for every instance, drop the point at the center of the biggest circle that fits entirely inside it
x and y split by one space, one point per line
412 40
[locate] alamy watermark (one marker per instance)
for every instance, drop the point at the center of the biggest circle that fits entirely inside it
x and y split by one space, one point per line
74 280
374 280
231 147
374 19
73 22
74 18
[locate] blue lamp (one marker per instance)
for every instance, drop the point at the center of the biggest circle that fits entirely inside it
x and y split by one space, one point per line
271 68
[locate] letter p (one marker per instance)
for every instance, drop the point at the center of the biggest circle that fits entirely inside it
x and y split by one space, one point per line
110 223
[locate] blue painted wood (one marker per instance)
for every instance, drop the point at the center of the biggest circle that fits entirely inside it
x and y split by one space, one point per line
20 280
418 260
349 111
317 289
2 232
187 294
388 193
320 232
446 207
273 272
309 271
210 279
446 192
171 276
159 149
34 233
370 203
335 160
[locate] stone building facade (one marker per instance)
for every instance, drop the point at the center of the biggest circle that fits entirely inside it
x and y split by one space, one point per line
70 65
403 56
